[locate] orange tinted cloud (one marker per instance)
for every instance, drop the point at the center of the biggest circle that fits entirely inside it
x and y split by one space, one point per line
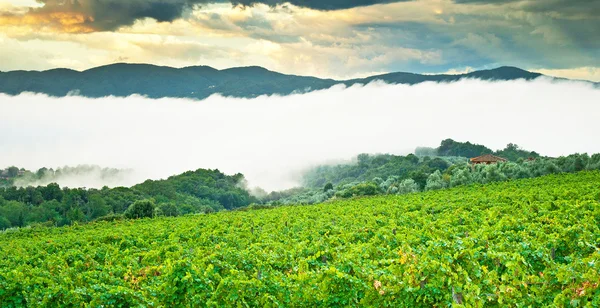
69 22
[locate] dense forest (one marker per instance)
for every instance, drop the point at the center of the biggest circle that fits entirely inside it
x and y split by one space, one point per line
417 166
449 147
199 191
205 191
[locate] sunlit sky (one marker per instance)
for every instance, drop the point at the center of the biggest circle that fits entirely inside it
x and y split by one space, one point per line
337 39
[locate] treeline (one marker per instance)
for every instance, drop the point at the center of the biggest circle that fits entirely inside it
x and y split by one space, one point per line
429 174
368 167
204 191
418 166
449 147
199 191
8 175
14 176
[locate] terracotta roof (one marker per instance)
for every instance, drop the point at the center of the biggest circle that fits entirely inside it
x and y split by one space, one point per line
487 158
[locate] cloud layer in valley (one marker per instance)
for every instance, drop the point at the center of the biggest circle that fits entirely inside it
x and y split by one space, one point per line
272 139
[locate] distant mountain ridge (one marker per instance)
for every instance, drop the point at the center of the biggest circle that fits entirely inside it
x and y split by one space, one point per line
200 82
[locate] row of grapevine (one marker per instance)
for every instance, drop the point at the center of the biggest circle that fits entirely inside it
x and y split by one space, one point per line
531 242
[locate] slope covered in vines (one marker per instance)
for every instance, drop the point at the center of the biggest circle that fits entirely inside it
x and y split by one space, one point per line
524 242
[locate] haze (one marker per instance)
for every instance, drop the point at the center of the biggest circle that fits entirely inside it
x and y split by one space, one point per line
271 140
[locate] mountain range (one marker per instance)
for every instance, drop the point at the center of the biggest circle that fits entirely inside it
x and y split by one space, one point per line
200 82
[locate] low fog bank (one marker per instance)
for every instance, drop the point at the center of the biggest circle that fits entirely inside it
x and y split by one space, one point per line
271 140
78 176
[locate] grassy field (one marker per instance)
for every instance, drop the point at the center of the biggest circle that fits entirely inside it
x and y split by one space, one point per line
528 242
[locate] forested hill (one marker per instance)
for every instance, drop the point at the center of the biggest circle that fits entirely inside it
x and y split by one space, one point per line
202 81
416 167
199 191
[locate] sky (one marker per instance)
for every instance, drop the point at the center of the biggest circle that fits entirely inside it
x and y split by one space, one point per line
273 139
325 38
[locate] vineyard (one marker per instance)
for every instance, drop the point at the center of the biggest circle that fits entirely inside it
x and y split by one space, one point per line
532 242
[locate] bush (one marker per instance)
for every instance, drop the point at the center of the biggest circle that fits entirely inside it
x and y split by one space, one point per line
110 217
435 181
140 209
169 209
408 186
460 177
362 189
4 223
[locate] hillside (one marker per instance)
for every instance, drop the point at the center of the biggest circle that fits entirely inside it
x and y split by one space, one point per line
192 192
529 242
202 81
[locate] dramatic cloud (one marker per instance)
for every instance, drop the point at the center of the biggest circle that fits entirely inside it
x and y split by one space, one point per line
572 8
106 15
334 39
318 4
272 139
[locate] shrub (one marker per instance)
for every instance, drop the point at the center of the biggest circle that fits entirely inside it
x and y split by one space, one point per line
110 217
140 209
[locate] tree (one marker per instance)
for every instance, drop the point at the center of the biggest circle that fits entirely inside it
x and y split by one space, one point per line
361 189
12 171
96 207
41 214
52 191
491 173
15 213
328 187
140 209
169 209
363 160
425 151
4 223
579 164
75 214
438 164
514 170
460 177
413 159
41 172
408 186
435 181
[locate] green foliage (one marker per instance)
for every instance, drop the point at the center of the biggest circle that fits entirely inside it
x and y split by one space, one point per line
426 151
140 209
529 243
467 149
201 184
383 166
4 223
12 171
169 209
408 186
200 191
512 152
362 189
435 181
111 217
460 177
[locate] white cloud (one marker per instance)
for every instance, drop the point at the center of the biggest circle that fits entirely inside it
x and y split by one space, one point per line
271 139
581 73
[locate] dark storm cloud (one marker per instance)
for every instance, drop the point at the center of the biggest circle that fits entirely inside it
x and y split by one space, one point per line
106 15
318 4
